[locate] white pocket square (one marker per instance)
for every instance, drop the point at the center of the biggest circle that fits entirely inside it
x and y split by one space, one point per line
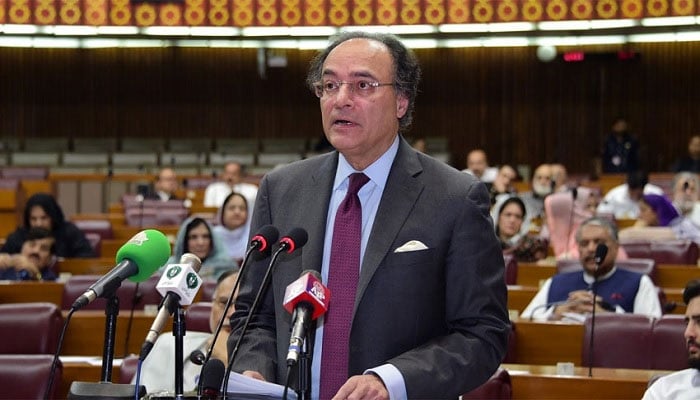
412 245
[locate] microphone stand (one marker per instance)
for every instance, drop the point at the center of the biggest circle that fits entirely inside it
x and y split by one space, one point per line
105 389
111 313
244 329
304 389
594 289
179 333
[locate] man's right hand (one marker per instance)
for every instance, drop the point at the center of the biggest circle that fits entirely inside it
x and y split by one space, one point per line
255 375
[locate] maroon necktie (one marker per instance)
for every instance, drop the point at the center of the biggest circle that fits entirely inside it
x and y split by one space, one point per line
343 274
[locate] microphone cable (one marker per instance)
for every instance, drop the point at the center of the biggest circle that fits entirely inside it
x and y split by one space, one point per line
253 307
54 364
296 238
266 233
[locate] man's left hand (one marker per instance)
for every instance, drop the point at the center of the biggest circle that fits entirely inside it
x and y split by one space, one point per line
363 387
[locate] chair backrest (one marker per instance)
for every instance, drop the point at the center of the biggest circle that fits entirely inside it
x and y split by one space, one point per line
25 376
78 284
102 227
128 368
620 341
29 328
95 242
511 272
498 387
644 266
668 346
197 317
208 289
663 251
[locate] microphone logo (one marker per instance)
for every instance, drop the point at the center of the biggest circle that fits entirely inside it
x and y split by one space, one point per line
174 271
192 280
318 291
139 239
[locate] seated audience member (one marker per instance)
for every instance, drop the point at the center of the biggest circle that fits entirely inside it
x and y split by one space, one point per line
231 181
42 211
478 165
660 220
685 195
233 227
569 295
684 384
158 372
534 200
560 178
565 211
691 162
35 260
503 184
197 237
623 201
165 186
526 248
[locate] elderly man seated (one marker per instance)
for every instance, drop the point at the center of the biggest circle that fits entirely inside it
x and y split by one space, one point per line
569 295
34 261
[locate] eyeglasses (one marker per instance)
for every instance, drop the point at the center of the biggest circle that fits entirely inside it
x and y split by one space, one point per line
361 88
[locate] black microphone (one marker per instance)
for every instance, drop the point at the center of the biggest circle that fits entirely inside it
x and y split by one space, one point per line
196 357
260 245
295 239
180 288
307 299
601 251
137 260
211 379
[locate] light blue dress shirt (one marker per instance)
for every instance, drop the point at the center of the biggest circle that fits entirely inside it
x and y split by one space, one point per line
370 195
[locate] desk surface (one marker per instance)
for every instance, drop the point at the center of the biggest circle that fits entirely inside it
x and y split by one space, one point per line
528 381
542 382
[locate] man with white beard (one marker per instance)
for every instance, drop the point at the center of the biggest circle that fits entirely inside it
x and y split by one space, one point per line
685 195
534 200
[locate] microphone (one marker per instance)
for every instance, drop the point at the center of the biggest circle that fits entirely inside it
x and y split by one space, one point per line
600 252
307 299
196 357
178 285
211 379
262 242
295 239
137 260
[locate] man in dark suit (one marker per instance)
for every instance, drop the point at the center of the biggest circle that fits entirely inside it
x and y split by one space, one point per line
429 318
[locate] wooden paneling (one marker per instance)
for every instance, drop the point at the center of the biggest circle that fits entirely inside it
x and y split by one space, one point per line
519 109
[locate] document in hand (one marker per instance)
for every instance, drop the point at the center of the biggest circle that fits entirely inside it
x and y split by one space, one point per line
241 387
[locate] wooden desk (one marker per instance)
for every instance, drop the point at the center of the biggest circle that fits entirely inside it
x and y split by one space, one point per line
548 343
667 275
542 382
86 266
82 371
85 334
676 275
29 291
520 296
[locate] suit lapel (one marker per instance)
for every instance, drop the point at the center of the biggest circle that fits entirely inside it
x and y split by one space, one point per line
315 209
400 194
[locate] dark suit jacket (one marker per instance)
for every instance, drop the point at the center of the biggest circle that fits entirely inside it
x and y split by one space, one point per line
439 315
